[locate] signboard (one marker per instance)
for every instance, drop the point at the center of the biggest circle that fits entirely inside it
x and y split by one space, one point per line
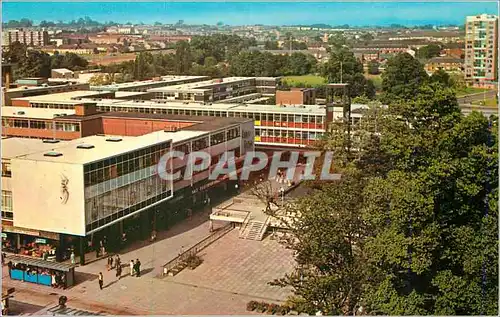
206 186
41 241
29 232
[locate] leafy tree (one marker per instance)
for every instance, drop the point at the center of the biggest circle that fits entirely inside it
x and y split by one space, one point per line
183 57
158 23
373 67
271 45
420 197
343 67
429 51
442 77
402 77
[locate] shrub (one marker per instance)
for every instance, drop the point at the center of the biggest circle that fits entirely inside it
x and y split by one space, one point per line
193 261
272 308
262 307
252 305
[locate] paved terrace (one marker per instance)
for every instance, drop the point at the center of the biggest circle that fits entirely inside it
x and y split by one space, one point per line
234 272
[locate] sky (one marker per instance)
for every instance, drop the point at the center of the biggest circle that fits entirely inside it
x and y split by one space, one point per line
249 13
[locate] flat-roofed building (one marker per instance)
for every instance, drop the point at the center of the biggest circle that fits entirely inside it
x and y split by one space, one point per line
296 96
145 85
216 89
25 91
108 184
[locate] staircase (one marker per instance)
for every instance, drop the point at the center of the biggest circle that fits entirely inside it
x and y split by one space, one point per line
255 230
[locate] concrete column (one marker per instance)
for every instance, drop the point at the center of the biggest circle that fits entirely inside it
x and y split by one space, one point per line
82 244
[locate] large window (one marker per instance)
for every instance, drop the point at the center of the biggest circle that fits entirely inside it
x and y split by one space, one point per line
200 144
6 172
6 200
216 138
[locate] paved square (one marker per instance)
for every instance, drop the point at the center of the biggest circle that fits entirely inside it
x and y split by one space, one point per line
234 272
241 266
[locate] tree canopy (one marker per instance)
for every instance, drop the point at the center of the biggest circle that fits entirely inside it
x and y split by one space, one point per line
412 227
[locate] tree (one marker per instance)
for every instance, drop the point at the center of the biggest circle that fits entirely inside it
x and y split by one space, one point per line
420 197
343 67
158 23
441 76
373 67
402 77
328 239
429 51
271 45
183 58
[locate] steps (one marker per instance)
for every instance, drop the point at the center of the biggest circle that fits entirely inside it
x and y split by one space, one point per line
255 230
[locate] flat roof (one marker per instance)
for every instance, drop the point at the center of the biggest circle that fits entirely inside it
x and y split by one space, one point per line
119 94
32 88
237 107
164 80
201 85
68 96
15 147
34 113
103 149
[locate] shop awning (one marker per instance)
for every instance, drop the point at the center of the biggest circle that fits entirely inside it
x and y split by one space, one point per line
41 263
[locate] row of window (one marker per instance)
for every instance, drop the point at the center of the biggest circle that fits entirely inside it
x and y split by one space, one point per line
39 124
251 115
288 134
52 105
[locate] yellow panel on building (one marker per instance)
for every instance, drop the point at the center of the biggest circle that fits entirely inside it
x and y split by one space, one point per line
257 139
257 122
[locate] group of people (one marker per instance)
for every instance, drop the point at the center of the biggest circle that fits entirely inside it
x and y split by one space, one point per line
115 263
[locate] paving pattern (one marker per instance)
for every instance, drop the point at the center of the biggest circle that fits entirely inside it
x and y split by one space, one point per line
234 272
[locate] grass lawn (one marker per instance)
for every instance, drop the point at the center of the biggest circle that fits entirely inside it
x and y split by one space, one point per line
486 103
307 80
469 91
377 80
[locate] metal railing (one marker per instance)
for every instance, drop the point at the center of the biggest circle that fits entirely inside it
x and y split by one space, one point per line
195 249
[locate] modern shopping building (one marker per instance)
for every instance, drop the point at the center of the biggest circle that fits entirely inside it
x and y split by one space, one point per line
108 184
481 49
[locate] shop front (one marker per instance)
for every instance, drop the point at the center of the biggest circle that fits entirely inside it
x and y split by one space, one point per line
33 243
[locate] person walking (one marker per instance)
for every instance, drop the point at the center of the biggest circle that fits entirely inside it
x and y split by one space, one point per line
101 280
138 265
119 271
118 262
72 257
132 267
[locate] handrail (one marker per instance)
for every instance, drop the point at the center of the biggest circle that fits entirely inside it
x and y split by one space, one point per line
245 223
196 248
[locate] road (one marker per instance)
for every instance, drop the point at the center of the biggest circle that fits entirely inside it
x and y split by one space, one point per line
490 94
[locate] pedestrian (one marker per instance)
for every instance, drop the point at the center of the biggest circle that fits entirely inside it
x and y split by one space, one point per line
101 280
72 257
138 265
132 267
3 258
153 235
118 262
118 271
110 263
